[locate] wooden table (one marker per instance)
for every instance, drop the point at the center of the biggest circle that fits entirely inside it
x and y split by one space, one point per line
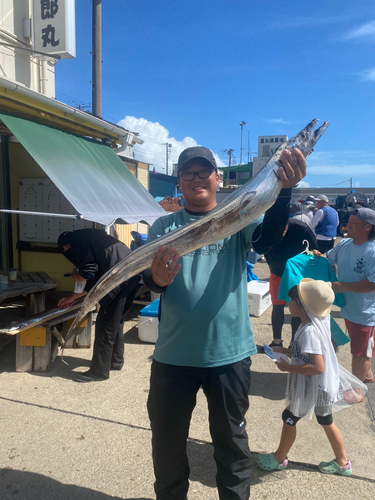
33 286
27 283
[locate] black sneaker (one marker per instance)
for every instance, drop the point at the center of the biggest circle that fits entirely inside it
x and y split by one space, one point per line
273 344
117 366
89 376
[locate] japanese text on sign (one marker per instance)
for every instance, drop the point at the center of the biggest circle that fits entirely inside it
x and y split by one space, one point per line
54 27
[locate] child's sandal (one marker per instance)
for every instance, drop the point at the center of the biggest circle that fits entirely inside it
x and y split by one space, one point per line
268 462
333 467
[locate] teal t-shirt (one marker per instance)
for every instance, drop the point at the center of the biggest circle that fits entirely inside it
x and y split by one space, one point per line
306 266
204 313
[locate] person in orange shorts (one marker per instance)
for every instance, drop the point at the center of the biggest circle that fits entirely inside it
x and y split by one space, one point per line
355 260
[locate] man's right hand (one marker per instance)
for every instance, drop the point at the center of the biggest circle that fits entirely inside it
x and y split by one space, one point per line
66 301
165 266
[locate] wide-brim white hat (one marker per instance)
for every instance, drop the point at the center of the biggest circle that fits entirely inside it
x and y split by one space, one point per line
316 296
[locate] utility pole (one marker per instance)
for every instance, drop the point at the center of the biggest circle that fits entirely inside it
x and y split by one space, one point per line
97 58
241 125
249 158
167 151
229 152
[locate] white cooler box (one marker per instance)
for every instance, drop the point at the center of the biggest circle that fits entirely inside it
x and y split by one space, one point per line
148 322
258 297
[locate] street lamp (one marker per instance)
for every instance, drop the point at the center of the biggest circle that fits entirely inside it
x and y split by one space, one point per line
241 125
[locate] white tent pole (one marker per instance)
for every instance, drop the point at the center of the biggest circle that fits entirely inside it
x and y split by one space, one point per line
24 212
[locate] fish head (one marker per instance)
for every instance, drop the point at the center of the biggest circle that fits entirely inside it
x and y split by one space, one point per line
308 137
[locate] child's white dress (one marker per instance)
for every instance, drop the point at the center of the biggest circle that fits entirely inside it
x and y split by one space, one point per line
323 394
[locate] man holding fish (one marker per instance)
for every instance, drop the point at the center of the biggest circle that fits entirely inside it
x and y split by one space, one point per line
205 336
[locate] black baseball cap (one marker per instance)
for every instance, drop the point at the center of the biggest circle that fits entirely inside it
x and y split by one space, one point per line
196 153
64 238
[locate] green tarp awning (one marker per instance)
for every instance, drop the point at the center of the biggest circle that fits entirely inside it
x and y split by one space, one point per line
89 174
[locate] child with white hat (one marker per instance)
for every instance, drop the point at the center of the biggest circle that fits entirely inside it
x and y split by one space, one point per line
316 382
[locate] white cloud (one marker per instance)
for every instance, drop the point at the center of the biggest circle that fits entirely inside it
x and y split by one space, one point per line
153 151
324 167
277 120
303 184
348 163
295 21
359 170
368 75
357 184
343 156
365 31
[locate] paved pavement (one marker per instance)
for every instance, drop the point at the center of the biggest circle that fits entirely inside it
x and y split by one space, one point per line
64 440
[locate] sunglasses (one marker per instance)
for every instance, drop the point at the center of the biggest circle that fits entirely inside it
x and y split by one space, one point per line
202 174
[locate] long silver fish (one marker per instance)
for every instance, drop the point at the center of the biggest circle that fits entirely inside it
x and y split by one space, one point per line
241 208
40 319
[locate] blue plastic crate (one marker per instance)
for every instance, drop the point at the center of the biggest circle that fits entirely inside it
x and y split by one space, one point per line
151 310
148 322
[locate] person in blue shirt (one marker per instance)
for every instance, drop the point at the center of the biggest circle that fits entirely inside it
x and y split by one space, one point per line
355 260
205 337
324 223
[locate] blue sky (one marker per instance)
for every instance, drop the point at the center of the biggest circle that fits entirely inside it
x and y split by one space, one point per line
189 73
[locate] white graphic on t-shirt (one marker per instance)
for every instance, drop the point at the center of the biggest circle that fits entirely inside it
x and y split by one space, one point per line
215 248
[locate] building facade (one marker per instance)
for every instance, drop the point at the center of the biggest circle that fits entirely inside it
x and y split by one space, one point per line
34 35
18 62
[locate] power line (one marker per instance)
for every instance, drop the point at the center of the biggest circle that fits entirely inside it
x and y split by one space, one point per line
343 182
141 150
144 136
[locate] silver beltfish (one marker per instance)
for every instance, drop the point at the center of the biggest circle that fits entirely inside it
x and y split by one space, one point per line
52 315
238 210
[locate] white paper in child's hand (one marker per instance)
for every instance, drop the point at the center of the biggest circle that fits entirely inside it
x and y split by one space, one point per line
275 356
278 356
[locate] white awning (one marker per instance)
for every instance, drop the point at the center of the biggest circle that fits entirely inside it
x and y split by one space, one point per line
89 174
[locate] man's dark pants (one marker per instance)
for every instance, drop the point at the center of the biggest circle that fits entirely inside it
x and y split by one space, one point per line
325 245
109 337
171 401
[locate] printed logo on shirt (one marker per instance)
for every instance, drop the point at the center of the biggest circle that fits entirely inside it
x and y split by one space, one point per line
359 266
215 248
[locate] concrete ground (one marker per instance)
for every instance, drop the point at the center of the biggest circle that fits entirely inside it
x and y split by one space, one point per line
64 440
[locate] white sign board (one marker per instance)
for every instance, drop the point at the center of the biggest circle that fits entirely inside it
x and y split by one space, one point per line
54 27
267 144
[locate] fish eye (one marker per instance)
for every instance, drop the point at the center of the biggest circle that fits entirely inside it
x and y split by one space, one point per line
303 135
